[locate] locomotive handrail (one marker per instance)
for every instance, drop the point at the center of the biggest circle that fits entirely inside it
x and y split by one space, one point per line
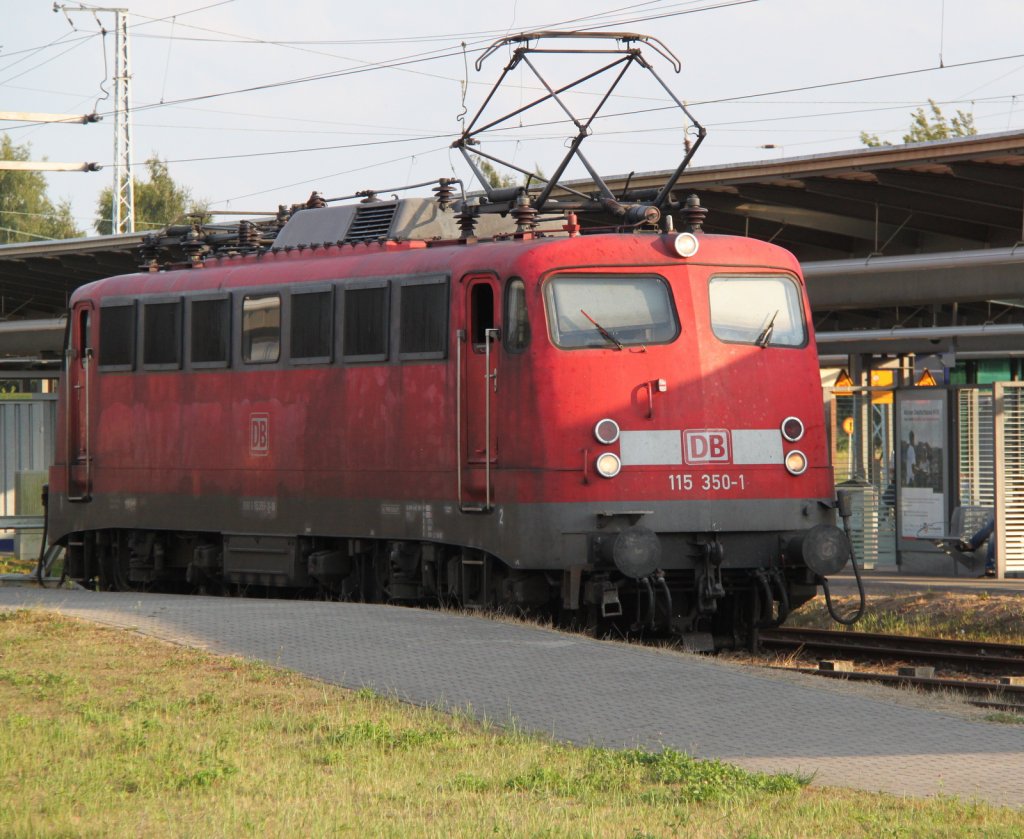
83 416
460 336
489 335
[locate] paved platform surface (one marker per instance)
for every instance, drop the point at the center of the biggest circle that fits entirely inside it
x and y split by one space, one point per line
587 691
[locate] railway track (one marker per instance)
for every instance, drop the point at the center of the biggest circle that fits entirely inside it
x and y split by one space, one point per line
971 656
990 675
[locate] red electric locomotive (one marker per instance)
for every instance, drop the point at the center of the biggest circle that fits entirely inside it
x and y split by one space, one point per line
618 428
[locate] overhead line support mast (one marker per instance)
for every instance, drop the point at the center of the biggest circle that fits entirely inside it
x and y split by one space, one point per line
123 216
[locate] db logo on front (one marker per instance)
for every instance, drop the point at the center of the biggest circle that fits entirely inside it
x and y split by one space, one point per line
706 445
259 434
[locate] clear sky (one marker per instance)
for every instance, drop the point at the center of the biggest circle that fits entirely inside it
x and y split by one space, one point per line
386 105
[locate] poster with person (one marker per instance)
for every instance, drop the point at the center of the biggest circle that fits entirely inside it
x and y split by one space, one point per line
922 465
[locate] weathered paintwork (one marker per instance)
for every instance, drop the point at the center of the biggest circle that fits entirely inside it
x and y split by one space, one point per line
372 450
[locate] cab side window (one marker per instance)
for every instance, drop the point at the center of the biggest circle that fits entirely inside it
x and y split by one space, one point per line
517 321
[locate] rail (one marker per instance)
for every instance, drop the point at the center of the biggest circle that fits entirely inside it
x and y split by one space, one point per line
974 661
973 655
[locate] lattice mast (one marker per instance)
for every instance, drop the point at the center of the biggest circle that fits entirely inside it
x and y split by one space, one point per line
124 188
123 211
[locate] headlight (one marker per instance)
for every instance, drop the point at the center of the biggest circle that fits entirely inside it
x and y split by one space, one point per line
686 244
796 462
608 465
606 431
792 429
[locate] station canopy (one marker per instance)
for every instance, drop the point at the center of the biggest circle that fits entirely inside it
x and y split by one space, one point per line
914 237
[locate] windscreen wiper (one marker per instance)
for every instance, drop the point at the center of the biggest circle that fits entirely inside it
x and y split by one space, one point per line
766 334
604 332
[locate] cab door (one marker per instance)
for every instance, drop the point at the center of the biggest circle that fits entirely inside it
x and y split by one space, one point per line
480 348
80 377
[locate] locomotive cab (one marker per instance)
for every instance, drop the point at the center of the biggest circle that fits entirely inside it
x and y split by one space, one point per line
673 412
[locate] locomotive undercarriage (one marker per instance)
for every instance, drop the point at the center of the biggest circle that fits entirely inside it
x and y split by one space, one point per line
709 606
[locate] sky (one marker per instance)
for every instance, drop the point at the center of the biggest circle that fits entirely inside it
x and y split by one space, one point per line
255 103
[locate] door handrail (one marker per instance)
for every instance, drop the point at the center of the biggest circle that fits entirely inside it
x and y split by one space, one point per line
489 335
83 416
460 336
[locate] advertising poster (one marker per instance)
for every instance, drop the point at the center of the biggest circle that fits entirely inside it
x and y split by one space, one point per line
922 464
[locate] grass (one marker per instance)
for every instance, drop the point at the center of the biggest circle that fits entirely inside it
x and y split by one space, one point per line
105 733
956 615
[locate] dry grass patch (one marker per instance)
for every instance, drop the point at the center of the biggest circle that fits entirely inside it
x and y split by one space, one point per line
976 616
105 733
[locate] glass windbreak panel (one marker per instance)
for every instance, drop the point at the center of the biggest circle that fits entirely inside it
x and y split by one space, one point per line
311 325
162 322
366 323
261 328
517 322
211 328
610 311
117 336
766 311
424 319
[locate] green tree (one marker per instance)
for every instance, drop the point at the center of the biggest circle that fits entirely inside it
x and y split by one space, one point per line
495 178
924 129
26 212
498 179
159 201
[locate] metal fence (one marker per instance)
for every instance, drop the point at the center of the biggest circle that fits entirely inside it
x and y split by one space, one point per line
1009 460
27 434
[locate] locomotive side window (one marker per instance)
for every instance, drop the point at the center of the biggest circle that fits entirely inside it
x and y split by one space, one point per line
261 328
161 335
211 331
365 336
765 311
117 337
610 311
423 325
517 323
311 325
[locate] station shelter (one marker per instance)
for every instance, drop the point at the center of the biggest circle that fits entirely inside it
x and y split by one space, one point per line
923 451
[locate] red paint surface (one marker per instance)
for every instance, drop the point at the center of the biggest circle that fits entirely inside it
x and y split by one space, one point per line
389 430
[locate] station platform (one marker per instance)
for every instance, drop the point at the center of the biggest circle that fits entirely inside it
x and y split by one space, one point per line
589 692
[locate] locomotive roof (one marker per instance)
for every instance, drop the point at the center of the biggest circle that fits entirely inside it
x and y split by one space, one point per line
527 257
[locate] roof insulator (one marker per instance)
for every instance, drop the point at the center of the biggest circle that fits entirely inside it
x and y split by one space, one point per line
693 214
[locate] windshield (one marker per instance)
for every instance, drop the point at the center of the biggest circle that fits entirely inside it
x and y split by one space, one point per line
612 312
765 311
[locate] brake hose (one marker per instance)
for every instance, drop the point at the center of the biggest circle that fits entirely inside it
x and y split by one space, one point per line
856 573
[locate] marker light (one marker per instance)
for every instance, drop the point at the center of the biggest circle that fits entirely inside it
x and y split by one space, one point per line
607 431
792 429
686 244
796 462
608 465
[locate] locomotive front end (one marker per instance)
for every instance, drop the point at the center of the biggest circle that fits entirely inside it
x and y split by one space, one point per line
689 386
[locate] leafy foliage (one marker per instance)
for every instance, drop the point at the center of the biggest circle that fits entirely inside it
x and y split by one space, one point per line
159 201
500 179
26 212
924 129
494 177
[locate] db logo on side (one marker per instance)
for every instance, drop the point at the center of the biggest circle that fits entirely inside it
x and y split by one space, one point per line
259 434
706 445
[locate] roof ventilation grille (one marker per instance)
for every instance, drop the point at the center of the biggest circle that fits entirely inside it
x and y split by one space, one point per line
372 221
